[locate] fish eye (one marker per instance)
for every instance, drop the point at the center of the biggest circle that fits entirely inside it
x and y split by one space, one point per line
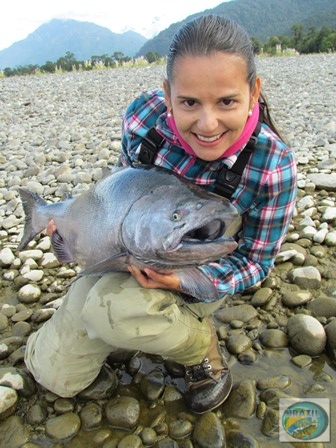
176 215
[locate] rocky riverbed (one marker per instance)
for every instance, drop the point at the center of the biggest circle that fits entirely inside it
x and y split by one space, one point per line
57 134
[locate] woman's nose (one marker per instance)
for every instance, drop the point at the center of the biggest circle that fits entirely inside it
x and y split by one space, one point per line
207 121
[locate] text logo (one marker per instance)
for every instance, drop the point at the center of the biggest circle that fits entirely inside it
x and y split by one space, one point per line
304 420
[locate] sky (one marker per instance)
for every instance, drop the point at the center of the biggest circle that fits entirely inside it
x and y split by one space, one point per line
19 18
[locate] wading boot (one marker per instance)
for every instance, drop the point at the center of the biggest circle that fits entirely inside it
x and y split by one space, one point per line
209 383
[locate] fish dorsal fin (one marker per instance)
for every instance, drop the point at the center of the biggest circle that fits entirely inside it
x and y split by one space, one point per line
61 248
110 264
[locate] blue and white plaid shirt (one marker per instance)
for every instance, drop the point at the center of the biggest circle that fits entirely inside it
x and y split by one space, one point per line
265 197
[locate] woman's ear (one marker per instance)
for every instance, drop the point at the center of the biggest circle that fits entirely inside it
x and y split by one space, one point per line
166 90
255 94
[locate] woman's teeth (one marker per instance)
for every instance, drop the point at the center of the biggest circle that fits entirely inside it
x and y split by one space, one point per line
208 139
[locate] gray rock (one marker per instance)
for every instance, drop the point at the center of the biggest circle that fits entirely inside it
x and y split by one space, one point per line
306 335
330 330
307 277
63 426
242 400
245 313
209 432
123 412
274 338
296 298
323 306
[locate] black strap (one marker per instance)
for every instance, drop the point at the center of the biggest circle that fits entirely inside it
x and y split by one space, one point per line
150 146
228 178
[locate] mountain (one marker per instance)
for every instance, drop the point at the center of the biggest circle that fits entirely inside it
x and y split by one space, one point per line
261 19
54 39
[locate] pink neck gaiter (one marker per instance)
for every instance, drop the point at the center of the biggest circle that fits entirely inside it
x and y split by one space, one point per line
241 141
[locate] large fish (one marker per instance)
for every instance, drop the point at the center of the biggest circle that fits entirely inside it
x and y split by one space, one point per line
145 216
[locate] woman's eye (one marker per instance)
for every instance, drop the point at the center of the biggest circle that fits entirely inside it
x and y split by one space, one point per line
189 103
227 102
176 216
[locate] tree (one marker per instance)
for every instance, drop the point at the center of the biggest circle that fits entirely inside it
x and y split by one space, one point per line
48 67
152 57
67 62
257 45
297 35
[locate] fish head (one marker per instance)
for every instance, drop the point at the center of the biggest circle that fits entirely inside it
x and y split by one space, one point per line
174 228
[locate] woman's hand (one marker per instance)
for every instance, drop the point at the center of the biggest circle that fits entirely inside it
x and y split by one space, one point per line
154 280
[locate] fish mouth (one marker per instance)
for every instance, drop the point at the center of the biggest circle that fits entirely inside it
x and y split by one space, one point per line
201 239
208 232
198 245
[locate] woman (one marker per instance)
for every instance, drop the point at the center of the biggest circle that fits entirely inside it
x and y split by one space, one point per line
205 116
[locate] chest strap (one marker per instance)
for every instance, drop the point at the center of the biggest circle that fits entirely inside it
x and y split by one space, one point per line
150 145
228 178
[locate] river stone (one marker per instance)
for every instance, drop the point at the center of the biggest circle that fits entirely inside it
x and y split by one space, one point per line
37 414
209 432
331 339
247 357
277 381
13 432
63 426
19 379
148 436
296 298
103 387
91 415
306 335
29 293
8 401
323 306
238 343
302 361
270 423
166 442
171 394
152 385
245 313
178 429
35 254
242 400
271 397
307 277
9 345
261 297
6 257
130 441
123 412
274 338
236 438
3 322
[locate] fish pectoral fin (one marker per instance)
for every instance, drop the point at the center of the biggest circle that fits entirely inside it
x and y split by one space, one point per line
111 264
196 284
61 248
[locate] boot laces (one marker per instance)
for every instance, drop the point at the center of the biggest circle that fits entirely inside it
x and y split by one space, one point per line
199 372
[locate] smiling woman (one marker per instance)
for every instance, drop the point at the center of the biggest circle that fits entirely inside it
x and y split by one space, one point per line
208 111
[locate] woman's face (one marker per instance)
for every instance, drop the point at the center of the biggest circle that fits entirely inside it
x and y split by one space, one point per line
210 98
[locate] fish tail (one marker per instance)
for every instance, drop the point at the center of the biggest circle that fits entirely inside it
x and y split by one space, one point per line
31 202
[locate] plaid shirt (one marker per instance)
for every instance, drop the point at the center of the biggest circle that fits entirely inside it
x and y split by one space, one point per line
265 197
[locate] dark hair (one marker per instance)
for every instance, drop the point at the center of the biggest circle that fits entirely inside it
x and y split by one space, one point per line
212 33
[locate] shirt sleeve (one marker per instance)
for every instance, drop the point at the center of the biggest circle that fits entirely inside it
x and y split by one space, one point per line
141 114
264 228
